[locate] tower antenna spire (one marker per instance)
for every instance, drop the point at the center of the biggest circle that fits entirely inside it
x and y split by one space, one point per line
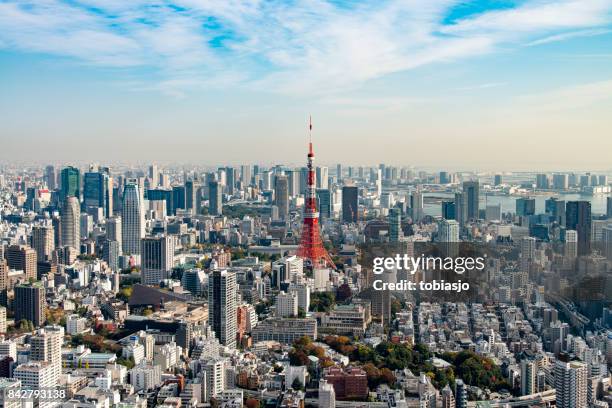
310 133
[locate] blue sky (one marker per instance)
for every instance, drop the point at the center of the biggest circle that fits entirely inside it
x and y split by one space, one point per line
440 83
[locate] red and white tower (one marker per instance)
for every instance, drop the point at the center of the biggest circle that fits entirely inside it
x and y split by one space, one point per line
311 246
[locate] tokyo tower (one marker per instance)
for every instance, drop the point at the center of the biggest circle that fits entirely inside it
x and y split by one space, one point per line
311 247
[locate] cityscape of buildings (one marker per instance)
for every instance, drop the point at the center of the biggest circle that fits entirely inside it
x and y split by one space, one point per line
250 286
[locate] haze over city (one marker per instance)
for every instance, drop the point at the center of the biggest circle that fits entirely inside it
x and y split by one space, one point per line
477 85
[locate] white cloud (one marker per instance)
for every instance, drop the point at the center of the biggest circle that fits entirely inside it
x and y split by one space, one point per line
568 36
306 47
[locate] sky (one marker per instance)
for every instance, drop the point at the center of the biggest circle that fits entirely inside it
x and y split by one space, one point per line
444 84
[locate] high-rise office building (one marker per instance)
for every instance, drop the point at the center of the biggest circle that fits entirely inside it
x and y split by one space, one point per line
350 204
498 180
70 220
525 207
222 306
71 182
245 174
460 208
578 218
609 207
281 195
50 177
230 180
43 242
448 210
24 258
571 384
417 207
30 303
132 220
324 200
542 181
560 182
322 175
215 200
555 209
571 244
157 259
471 191
98 192
395 224
153 176
191 192
179 198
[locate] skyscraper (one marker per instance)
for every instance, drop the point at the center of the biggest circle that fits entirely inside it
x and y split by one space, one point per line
448 210
525 207
70 221
98 192
215 203
222 306
322 177
43 242
230 180
350 206
30 303
191 191
50 177
395 224
71 182
179 198
132 220
245 174
560 182
153 176
460 208
157 259
571 244
497 180
472 199
542 181
555 208
281 195
416 205
23 258
578 218
325 203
